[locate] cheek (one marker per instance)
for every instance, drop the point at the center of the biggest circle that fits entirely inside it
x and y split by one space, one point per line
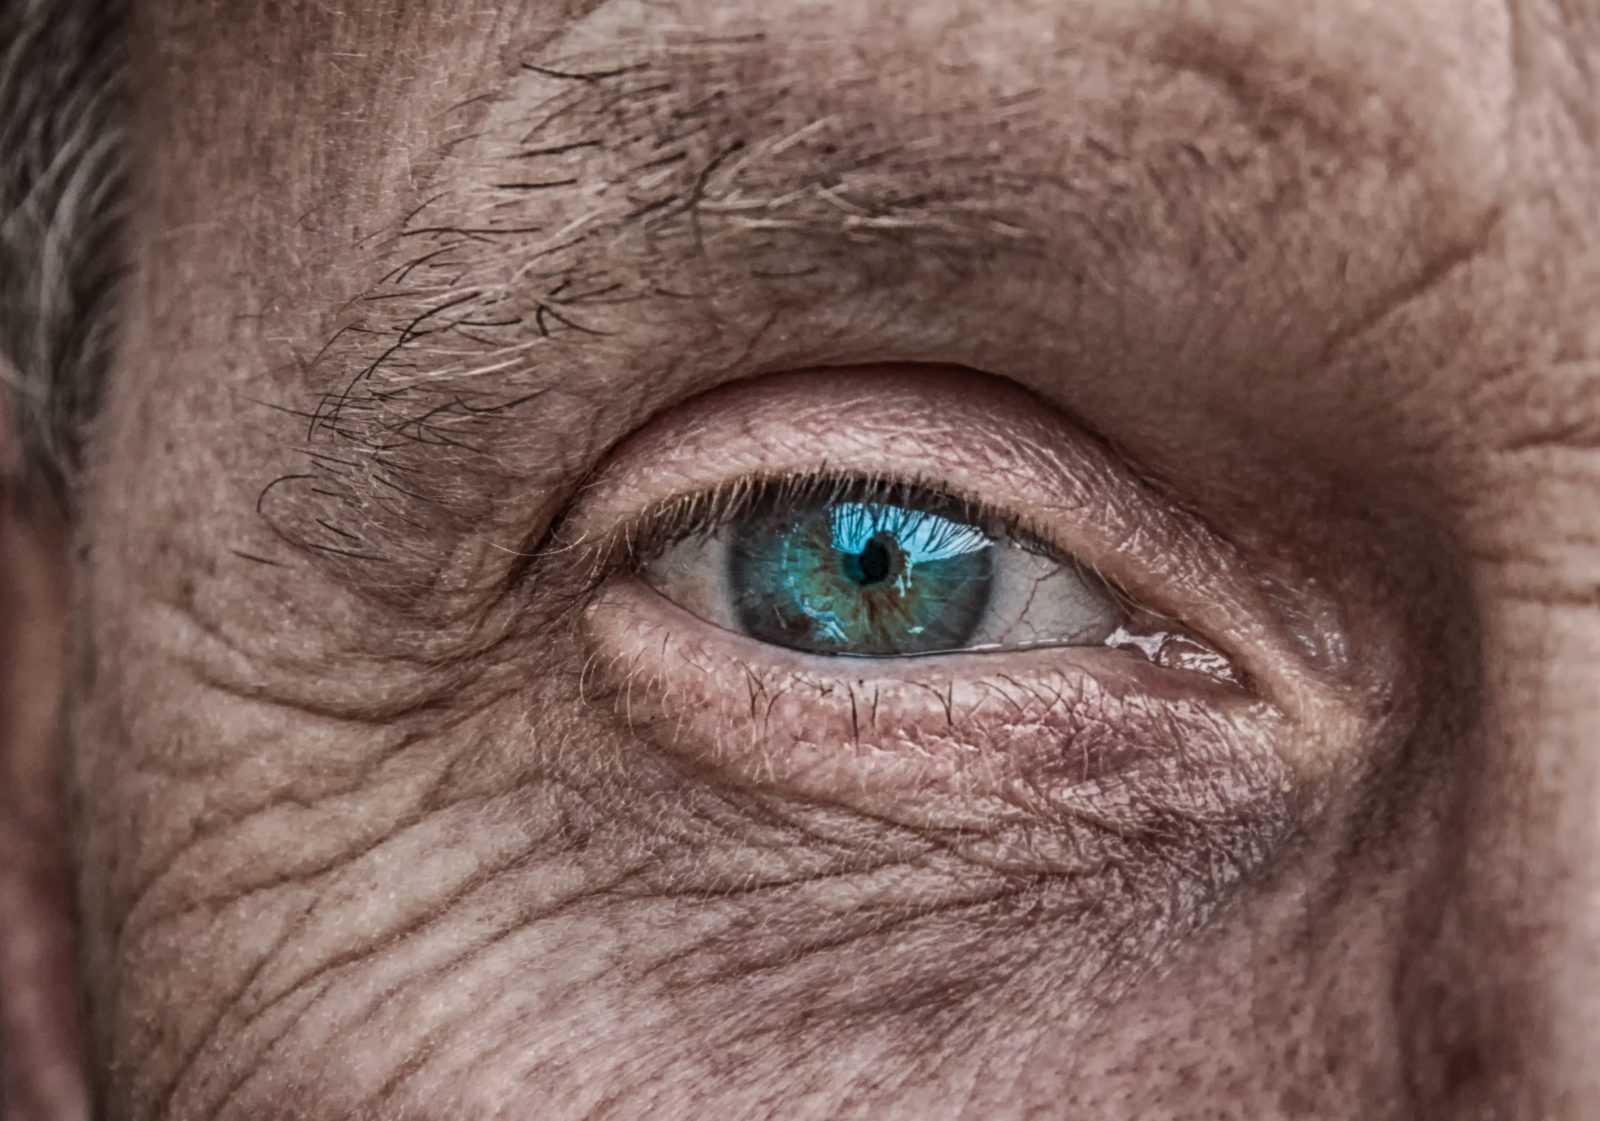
286 926
523 907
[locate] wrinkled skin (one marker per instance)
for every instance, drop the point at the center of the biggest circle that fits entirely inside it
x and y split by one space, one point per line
350 834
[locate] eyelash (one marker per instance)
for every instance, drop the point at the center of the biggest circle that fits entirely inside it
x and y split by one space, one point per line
647 535
655 530
1074 505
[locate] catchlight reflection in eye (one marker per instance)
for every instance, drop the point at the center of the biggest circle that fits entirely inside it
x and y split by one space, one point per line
869 576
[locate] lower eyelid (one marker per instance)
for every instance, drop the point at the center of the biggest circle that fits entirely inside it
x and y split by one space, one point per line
915 740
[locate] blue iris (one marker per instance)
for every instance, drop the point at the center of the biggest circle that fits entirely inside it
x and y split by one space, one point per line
861 578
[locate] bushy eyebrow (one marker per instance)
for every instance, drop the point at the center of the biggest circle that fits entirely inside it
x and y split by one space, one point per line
602 195
599 191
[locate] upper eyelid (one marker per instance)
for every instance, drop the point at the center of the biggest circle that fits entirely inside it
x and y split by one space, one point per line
1095 486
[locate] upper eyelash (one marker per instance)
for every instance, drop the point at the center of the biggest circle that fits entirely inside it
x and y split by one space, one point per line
703 513
645 536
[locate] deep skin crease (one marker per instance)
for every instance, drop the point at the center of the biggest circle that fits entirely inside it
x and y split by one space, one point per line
349 839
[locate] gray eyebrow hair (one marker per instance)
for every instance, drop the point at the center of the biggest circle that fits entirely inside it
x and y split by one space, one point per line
612 176
615 180
604 197
63 93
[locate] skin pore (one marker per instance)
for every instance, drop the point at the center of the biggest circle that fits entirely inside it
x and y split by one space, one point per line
394 793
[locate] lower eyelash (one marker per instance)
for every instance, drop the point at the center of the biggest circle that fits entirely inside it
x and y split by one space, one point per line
1082 717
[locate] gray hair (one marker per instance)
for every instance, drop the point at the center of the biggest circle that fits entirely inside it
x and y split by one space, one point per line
62 129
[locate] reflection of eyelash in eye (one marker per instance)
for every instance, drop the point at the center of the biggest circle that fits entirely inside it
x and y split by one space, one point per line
706 512
648 535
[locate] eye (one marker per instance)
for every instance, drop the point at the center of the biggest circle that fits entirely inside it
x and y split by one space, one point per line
879 588
855 567
858 643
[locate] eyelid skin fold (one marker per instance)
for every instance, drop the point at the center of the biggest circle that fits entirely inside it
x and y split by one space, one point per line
1027 747
975 437
939 740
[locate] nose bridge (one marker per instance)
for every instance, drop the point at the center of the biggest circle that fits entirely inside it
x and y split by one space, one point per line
1501 994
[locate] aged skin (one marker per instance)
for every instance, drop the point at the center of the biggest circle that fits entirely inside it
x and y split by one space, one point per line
393 796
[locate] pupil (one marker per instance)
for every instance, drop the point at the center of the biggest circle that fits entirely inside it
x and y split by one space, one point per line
876 559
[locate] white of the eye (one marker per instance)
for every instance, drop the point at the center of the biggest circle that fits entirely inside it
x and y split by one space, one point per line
694 575
1040 600
1036 600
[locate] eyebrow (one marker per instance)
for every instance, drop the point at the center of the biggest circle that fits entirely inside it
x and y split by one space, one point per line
595 187
597 193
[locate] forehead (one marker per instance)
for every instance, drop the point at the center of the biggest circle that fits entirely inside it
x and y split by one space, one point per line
1348 66
310 135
